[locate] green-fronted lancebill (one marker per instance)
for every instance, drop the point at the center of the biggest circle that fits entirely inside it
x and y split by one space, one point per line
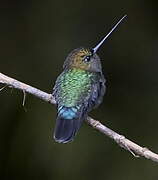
78 89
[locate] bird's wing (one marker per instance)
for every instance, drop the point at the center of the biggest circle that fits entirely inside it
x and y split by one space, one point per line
98 91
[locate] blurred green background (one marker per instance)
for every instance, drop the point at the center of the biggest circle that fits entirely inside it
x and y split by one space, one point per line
35 38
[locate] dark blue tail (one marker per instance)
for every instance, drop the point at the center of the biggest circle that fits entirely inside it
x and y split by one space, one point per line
67 124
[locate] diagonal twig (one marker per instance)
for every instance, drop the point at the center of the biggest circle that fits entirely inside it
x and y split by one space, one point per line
121 140
3 87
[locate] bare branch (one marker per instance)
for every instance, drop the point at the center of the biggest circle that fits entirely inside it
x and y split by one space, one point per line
13 83
123 142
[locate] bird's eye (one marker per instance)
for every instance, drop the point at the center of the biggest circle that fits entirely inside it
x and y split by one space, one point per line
87 58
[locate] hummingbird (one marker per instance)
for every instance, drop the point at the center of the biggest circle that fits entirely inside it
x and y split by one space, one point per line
78 89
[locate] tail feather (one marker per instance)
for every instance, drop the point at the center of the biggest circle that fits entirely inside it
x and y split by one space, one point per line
67 124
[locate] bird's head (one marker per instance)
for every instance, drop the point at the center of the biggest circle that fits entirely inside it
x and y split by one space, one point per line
83 58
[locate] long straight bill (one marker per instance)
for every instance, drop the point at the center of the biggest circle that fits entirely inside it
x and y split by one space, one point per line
102 41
